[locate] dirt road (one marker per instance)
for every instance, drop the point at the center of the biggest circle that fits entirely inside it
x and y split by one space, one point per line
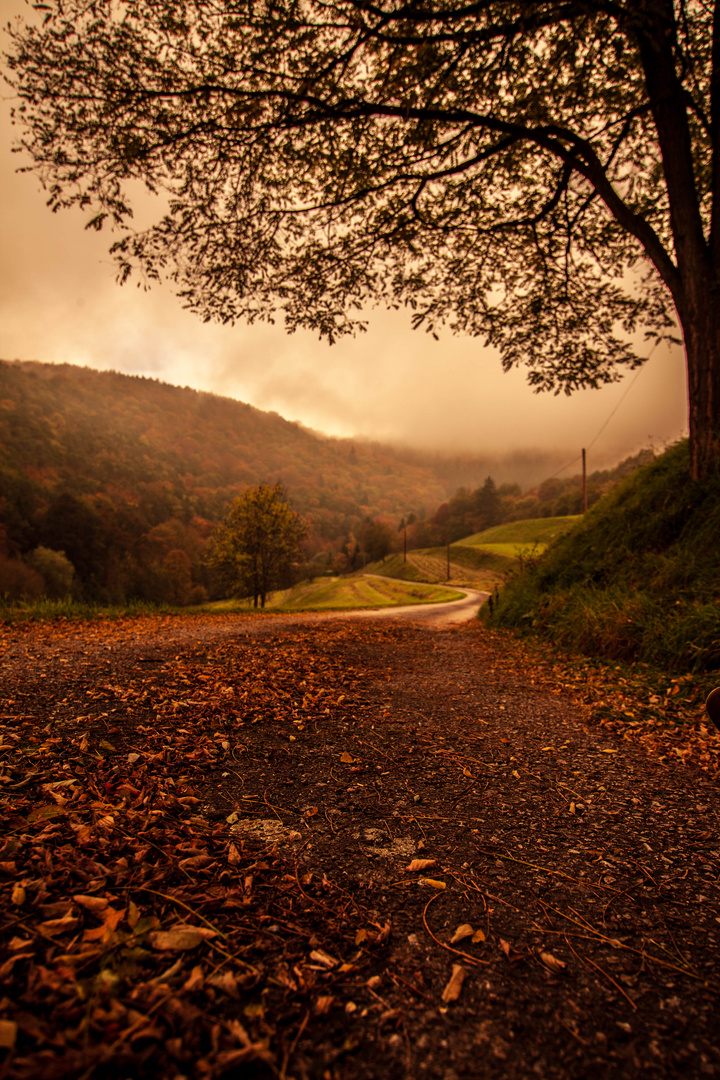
451 613
264 786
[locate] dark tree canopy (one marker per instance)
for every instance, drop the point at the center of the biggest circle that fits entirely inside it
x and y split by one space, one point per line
258 542
543 175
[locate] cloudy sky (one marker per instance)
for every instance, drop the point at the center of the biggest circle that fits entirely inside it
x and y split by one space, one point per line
59 303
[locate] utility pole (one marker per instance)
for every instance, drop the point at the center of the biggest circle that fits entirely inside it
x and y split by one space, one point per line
584 456
448 559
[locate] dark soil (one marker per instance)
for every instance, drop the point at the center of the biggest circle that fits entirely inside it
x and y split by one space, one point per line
268 782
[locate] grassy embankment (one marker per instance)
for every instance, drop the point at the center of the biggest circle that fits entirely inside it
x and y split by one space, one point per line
481 561
638 579
42 608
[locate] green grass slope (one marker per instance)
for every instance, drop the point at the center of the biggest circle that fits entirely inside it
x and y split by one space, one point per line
345 594
637 579
522 533
473 568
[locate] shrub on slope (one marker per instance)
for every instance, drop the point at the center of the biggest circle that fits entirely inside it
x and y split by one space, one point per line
637 579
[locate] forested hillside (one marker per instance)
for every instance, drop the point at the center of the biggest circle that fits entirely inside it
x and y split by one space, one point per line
128 475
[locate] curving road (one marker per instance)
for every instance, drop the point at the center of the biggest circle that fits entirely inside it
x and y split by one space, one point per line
445 614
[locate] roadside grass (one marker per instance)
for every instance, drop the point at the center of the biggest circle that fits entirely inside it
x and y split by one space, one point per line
42 609
336 594
341 594
637 581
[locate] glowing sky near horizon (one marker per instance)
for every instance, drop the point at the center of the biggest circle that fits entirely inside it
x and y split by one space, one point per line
59 303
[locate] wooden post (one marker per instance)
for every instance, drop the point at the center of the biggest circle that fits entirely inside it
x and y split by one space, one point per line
405 544
584 482
448 559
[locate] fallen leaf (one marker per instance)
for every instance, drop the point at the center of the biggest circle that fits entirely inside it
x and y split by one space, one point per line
479 935
454 986
226 982
462 932
197 862
168 940
323 1005
346 758
196 979
421 864
8 1034
323 958
133 914
58 926
45 813
552 961
505 946
18 895
16 943
95 904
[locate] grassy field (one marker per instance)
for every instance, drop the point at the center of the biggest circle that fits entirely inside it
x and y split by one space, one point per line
480 561
482 570
344 594
534 533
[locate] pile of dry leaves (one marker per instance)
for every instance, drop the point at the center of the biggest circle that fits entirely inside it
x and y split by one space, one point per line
277 847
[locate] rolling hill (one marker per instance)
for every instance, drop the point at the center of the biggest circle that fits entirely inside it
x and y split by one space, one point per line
120 472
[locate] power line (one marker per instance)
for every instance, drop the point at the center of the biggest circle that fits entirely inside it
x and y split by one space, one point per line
569 464
615 408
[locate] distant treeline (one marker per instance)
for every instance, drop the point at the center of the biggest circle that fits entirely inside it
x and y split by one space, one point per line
111 486
469 512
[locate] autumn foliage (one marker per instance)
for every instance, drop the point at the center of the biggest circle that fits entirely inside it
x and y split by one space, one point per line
128 477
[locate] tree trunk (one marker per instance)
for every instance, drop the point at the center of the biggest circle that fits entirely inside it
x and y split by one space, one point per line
700 322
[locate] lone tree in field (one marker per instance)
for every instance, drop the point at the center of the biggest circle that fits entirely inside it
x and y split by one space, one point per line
543 175
258 542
